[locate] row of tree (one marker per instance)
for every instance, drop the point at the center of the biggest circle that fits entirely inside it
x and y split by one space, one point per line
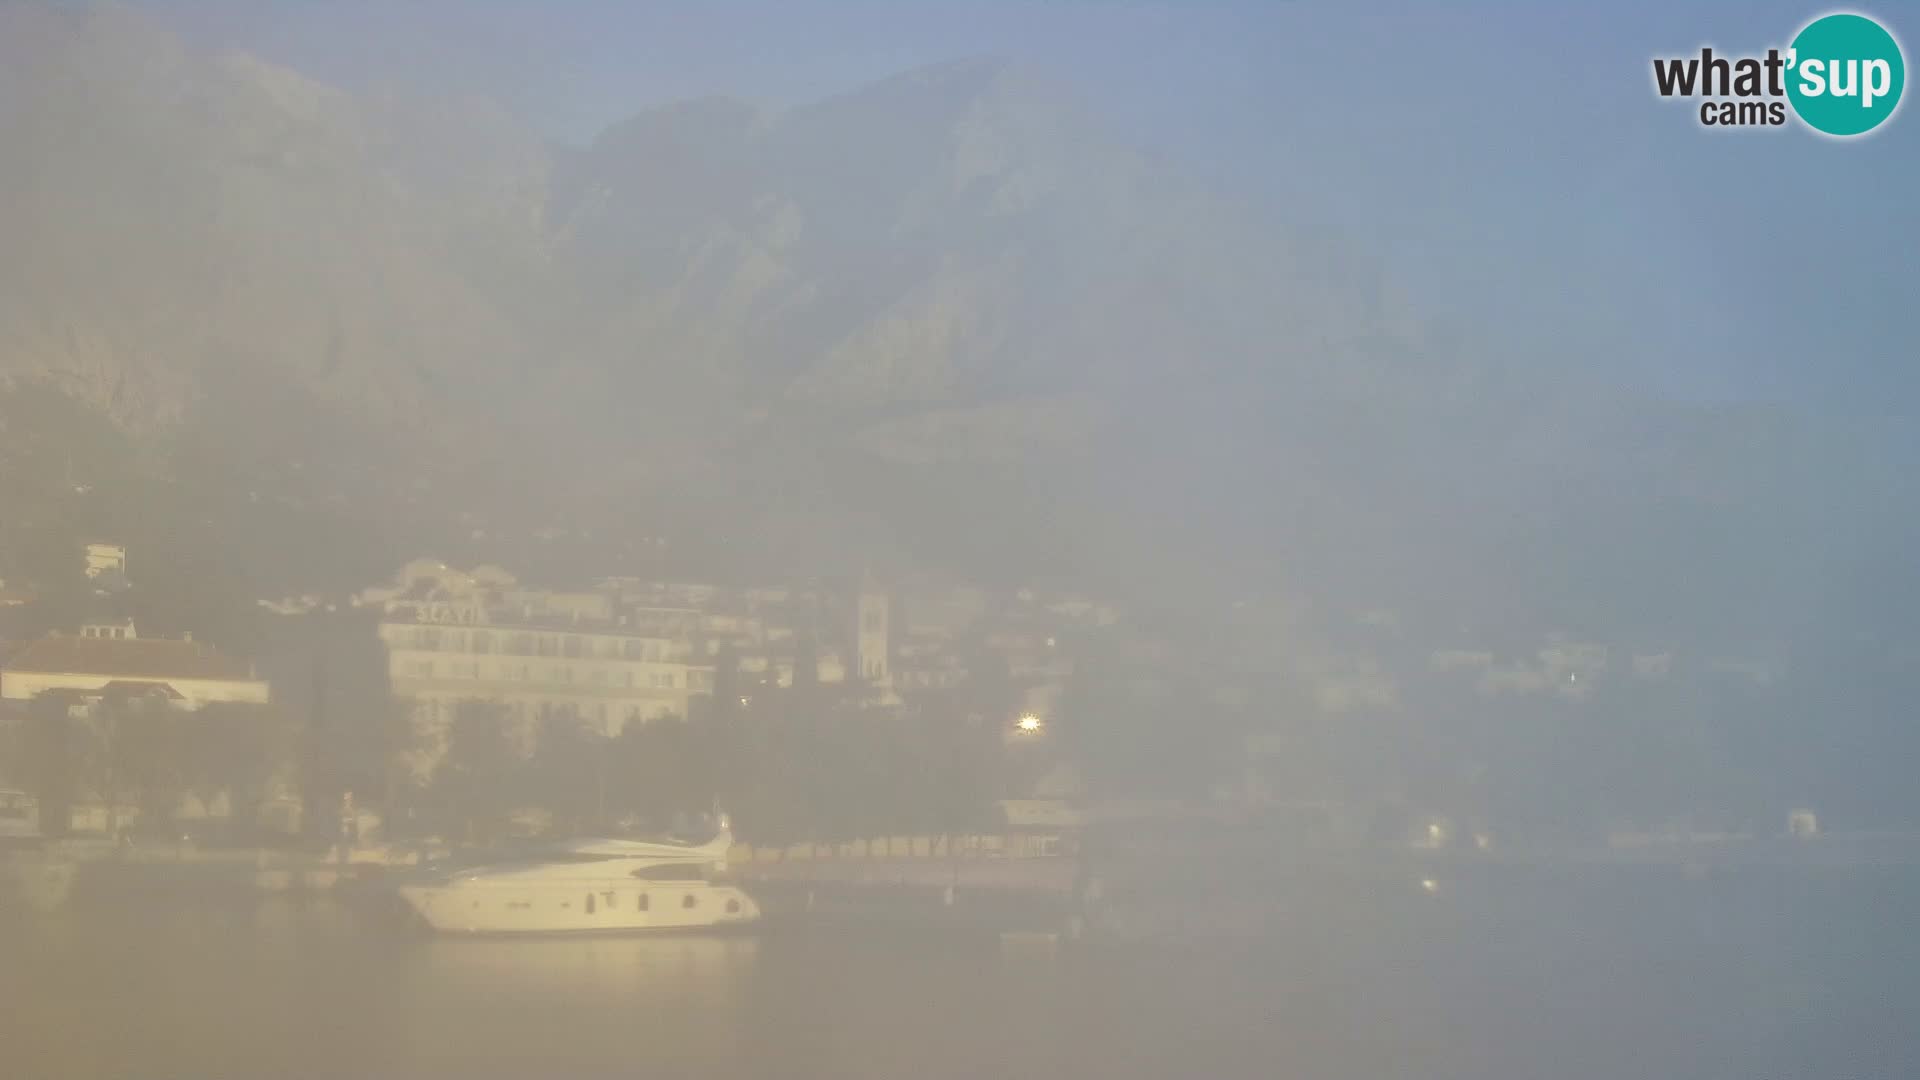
788 766
141 754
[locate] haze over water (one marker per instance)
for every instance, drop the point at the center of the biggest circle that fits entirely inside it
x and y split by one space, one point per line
1583 976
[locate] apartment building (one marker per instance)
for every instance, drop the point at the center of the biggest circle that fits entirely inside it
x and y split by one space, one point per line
607 674
453 635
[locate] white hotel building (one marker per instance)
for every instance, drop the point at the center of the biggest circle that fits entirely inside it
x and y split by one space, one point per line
452 636
607 677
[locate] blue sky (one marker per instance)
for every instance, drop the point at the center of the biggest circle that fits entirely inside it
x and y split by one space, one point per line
1508 164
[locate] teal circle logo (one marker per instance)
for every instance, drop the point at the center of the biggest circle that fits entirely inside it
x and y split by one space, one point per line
1845 74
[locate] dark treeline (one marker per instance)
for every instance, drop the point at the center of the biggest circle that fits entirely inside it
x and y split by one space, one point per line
806 762
141 755
789 764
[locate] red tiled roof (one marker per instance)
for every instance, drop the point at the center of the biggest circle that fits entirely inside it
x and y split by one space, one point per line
131 658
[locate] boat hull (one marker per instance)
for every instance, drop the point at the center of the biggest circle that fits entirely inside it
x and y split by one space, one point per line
578 907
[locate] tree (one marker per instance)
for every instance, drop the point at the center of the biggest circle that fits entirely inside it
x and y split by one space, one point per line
236 749
771 755
368 749
145 756
330 672
49 739
568 771
667 766
52 559
1134 739
476 777
960 774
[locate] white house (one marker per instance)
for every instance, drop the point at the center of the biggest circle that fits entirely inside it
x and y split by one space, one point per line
112 658
106 559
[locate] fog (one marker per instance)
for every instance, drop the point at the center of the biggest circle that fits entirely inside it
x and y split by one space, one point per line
1067 539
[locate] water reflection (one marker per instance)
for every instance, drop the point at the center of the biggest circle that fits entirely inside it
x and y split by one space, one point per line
1584 977
659 971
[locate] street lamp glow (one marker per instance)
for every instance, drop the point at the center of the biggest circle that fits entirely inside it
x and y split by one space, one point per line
1028 723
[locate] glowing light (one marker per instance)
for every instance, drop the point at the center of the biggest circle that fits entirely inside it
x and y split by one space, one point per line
1029 723
1429 885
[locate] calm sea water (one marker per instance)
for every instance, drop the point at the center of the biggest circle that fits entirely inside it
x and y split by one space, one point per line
1745 976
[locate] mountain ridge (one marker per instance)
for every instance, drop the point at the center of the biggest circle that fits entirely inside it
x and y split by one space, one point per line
948 277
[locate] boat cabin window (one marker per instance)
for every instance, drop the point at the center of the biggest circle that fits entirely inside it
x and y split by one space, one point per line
688 901
640 903
547 858
672 872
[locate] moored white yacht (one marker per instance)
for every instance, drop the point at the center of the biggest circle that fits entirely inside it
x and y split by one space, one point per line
587 885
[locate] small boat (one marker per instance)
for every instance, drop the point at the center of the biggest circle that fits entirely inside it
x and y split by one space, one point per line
585 886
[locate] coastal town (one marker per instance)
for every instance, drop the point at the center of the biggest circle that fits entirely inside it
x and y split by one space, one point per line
464 704
413 666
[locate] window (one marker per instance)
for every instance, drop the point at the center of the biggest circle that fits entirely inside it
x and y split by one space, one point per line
589 903
672 872
688 901
640 902
482 641
570 858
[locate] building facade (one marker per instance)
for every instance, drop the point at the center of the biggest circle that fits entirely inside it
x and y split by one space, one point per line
105 558
111 659
454 636
606 674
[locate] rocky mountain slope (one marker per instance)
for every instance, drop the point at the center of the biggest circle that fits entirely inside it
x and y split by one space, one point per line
941 316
